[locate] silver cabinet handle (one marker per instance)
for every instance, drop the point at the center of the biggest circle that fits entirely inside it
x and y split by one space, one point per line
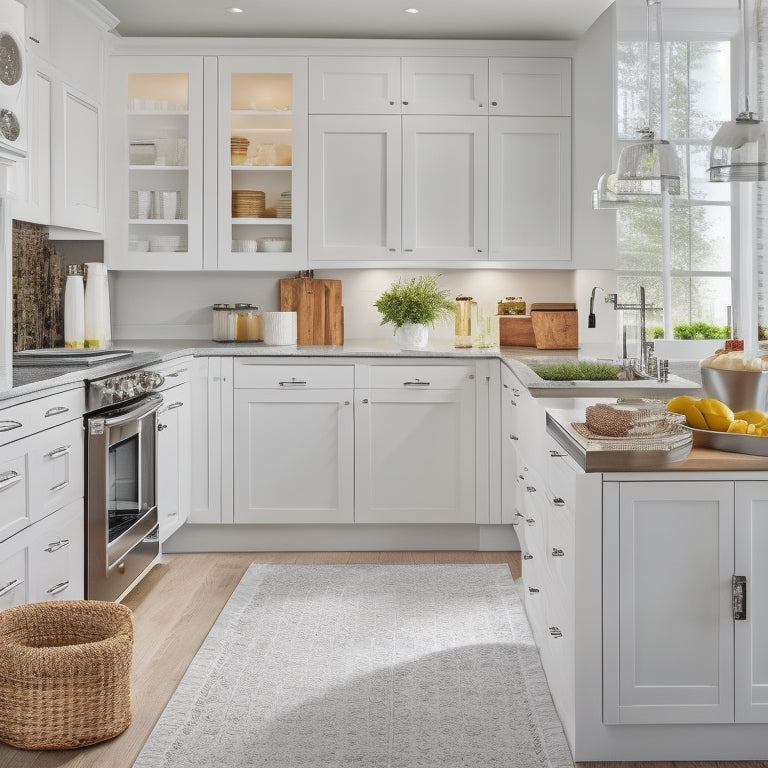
161 427
11 585
56 410
556 454
416 383
527 556
346 402
293 383
533 590
7 479
530 521
739 597
521 477
54 546
494 103
557 552
558 502
59 486
513 437
176 374
177 404
530 488
60 587
555 632
7 425
58 452
364 400
519 514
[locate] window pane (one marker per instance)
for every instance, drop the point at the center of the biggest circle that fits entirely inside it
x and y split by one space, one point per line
710 88
700 300
632 89
639 230
700 239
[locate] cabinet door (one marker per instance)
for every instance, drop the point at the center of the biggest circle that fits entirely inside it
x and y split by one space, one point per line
14 571
76 174
354 85
354 177
510 437
174 460
415 454
530 190
155 146
57 555
262 140
445 188
530 86
751 634
668 631
293 456
450 85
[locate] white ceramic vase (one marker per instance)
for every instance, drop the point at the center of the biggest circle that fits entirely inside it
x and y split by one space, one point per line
412 335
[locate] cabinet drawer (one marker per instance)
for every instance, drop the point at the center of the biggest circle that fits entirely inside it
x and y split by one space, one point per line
26 418
14 485
292 377
416 377
56 459
13 572
174 372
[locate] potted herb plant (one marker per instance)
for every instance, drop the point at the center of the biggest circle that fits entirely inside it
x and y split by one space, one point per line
412 306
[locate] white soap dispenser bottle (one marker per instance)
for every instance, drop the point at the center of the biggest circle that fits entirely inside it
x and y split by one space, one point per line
98 332
74 308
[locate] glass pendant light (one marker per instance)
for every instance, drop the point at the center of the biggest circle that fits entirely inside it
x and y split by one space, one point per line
739 150
650 166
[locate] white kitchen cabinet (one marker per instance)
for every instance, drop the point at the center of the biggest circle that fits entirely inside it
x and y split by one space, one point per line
155 145
379 195
262 100
510 436
354 85
527 86
174 459
529 202
415 444
211 432
355 188
293 443
417 85
57 555
14 569
671 551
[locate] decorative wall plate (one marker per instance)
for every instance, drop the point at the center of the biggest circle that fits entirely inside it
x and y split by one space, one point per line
10 60
9 125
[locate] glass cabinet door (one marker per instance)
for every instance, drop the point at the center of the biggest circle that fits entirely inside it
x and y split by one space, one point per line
155 163
262 163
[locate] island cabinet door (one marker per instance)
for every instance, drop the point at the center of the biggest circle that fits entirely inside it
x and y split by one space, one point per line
668 628
751 627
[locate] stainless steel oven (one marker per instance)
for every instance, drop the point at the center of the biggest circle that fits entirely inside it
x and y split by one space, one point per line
122 540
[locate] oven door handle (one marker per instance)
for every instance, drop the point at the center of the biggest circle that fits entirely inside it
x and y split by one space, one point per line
149 405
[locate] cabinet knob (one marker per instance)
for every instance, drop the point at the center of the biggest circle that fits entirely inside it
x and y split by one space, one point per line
161 427
514 437
557 552
527 556
530 521
406 103
555 632
530 488
364 400
391 103
556 454
519 514
494 103
480 105
533 590
558 502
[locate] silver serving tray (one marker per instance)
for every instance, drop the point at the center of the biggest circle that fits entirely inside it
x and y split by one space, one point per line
733 442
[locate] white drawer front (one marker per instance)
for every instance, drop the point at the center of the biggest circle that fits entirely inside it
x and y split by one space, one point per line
56 458
14 485
13 572
419 376
32 416
292 377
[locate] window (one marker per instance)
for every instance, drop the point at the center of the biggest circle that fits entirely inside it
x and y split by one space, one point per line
678 247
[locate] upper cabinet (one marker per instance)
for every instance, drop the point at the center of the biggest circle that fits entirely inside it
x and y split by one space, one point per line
155 163
262 140
529 86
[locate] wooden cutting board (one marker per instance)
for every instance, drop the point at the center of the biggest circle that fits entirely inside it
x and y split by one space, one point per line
516 331
319 312
555 326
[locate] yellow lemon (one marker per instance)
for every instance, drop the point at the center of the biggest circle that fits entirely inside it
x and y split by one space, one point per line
681 403
740 426
751 416
718 423
695 418
709 405
751 429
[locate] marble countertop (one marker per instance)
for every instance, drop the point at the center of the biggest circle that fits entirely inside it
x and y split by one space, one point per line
32 380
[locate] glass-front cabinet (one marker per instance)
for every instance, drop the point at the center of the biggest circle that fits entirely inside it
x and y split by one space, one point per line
155 163
262 139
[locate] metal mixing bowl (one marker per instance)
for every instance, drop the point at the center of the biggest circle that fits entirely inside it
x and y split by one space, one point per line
739 390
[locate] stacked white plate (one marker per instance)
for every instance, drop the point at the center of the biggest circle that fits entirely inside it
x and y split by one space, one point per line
138 245
245 246
167 243
274 244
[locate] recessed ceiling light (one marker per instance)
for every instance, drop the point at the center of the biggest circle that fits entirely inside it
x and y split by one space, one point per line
233 9
410 10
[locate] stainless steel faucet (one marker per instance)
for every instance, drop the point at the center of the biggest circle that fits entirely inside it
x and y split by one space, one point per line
645 346
591 319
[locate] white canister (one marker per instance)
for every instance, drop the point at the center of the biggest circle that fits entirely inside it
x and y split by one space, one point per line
98 331
74 308
278 328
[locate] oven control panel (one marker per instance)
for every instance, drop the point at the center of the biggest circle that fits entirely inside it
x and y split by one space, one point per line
121 388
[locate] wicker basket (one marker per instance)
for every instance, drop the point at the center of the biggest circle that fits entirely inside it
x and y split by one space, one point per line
65 673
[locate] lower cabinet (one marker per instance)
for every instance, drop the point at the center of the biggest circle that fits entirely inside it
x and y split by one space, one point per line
293 443
415 445
684 637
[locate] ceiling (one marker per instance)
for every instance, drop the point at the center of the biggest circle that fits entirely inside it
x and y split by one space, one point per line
437 19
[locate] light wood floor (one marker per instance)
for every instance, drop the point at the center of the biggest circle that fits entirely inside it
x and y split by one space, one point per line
174 608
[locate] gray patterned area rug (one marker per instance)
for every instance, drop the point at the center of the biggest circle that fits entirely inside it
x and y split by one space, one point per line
364 666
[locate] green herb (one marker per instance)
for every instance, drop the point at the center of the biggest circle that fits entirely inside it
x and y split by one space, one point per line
417 300
577 370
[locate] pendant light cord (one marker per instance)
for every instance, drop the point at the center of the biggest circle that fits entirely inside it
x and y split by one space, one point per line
745 43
